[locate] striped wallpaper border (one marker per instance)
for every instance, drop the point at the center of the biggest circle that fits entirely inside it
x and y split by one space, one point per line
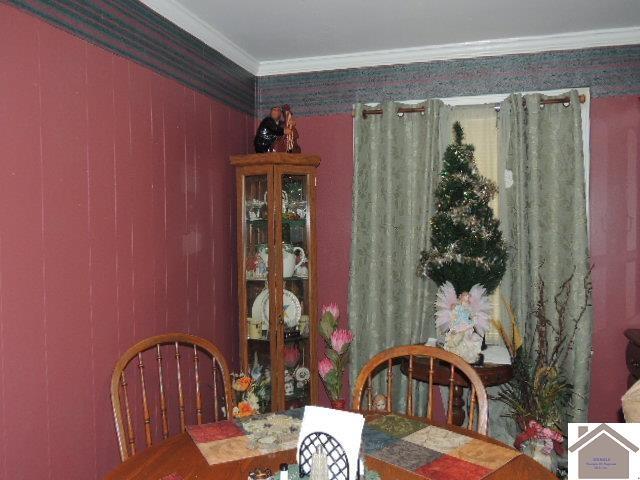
133 30
608 71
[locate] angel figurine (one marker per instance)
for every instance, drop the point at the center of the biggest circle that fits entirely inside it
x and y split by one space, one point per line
289 141
463 319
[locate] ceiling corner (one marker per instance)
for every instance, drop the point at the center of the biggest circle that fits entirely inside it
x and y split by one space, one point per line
188 21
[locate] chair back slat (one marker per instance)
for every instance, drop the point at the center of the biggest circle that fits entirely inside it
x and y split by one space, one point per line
163 399
131 434
455 368
183 425
410 386
472 408
197 380
216 406
452 387
431 399
158 403
146 417
389 384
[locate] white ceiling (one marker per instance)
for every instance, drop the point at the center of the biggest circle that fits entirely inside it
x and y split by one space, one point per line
275 31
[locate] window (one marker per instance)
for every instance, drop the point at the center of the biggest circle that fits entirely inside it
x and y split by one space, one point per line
479 119
481 130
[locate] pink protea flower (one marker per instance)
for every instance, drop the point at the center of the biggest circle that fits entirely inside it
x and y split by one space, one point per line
341 338
291 356
332 308
324 367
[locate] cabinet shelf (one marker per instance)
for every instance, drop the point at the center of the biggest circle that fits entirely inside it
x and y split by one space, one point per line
294 223
286 340
286 279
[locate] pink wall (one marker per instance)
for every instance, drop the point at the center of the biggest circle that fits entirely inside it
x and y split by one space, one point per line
331 137
615 213
615 179
116 223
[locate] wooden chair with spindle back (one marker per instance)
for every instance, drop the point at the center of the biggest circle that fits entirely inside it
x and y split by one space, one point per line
396 355
176 343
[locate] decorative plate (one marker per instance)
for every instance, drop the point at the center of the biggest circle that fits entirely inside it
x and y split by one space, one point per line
256 309
290 303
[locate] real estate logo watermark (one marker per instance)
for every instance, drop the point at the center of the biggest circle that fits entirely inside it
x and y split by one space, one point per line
604 451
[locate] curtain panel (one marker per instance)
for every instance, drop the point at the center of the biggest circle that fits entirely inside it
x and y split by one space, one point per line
544 220
397 162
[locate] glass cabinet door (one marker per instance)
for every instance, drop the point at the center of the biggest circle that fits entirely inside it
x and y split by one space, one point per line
260 341
276 279
293 232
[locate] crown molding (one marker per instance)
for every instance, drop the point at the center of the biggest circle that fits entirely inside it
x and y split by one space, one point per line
483 48
188 21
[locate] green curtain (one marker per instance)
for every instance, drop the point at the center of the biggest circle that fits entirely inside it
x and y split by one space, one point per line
542 210
397 162
544 218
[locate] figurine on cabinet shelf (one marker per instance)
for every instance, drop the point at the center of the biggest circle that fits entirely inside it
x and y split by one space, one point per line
256 209
302 376
288 143
289 386
277 132
271 127
257 267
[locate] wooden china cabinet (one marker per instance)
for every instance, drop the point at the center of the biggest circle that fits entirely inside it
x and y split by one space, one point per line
276 210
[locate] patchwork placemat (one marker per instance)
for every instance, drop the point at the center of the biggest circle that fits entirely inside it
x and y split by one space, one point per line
429 451
231 440
432 452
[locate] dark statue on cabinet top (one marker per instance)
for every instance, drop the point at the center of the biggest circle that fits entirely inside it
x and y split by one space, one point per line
277 132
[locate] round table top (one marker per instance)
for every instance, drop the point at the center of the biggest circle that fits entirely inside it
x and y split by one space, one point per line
179 456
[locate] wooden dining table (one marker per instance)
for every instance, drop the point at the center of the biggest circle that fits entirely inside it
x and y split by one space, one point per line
179 455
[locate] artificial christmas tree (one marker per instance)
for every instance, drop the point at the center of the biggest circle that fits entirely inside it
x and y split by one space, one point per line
466 241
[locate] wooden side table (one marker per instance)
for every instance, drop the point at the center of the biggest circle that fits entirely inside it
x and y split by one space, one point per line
633 355
490 374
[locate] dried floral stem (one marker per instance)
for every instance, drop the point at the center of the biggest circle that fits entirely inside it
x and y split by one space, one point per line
540 390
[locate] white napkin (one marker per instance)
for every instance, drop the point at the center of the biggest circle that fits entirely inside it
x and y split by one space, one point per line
345 427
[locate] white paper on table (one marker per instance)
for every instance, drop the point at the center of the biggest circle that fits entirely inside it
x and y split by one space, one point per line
497 355
345 427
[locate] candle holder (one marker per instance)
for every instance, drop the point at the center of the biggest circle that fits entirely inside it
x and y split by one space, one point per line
337 461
